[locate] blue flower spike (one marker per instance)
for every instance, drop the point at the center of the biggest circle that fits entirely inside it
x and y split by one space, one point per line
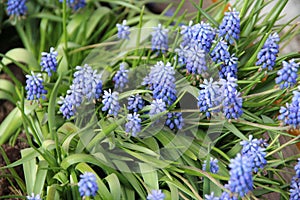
111 102
123 30
266 57
49 61
88 185
229 29
34 87
160 39
288 74
121 78
16 8
156 195
133 125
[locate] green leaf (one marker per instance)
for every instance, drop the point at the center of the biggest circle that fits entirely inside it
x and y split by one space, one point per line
114 186
30 169
231 127
40 177
149 175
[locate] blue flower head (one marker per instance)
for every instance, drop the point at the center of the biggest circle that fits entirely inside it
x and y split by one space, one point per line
211 197
290 115
111 102
174 120
75 4
160 38
195 59
157 106
87 184
156 195
98 90
241 181
161 81
182 53
49 61
67 108
208 96
230 66
133 125
230 26
295 189
121 77
232 100
86 82
187 33
135 103
16 8
220 53
34 87
123 30
287 76
255 151
227 196
266 57
213 166
204 35
33 197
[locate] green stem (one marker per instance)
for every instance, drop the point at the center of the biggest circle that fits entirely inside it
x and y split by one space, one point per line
261 93
65 25
261 126
283 146
23 37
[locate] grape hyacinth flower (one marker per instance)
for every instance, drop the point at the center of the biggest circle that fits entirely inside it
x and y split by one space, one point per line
182 54
157 106
98 90
208 96
160 38
213 166
211 196
295 183
135 103
161 81
196 60
174 120
266 57
34 197
290 115
49 61
75 4
230 26
232 100
34 87
86 82
187 34
16 8
123 30
156 195
111 102
229 67
204 35
121 77
67 107
287 76
241 181
220 53
133 125
87 184
254 150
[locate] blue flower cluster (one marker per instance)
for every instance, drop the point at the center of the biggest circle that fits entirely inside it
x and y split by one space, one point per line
86 85
174 120
209 96
111 102
224 196
16 8
229 67
211 197
75 4
290 115
34 87
266 57
230 26
241 181
87 185
49 61
156 195
161 81
135 103
204 35
287 76
160 38
195 60
123 30
121 78
133 125
157 106
220 53
295 184
232 100
34 197
254 149
213 166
